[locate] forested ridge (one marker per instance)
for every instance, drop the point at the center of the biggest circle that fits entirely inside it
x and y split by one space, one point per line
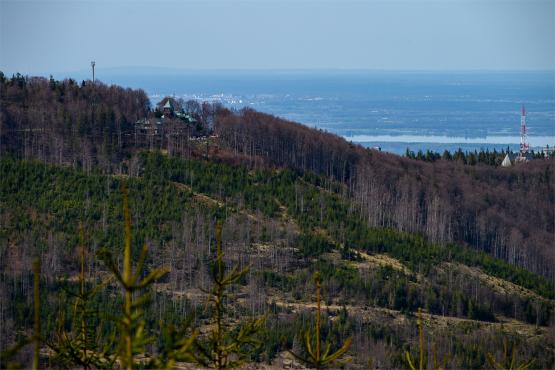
471 246
506 212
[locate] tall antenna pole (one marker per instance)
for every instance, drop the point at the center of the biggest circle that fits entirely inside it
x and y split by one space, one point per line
523 131
92 65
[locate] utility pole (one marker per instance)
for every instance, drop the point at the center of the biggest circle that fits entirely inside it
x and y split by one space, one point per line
92 65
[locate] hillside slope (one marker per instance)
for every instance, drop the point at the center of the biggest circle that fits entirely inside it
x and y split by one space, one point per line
506 212
470 245
286 227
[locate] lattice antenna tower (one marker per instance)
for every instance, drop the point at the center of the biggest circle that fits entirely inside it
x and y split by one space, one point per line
524 146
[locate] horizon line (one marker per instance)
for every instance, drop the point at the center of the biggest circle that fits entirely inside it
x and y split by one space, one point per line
168 70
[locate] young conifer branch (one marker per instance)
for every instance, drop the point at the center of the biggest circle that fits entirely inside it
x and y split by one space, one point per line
80 346
36 294
422 363
135 293
508 362
176 346
7 355
226 347
315 358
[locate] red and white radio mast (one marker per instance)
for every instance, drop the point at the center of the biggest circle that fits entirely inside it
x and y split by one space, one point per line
523 144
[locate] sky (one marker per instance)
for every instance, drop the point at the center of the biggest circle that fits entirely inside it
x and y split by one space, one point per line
42 37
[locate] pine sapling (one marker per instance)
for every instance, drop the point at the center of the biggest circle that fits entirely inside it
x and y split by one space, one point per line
226 346
422 363
508 362
315 358
135 290
36 302
80 346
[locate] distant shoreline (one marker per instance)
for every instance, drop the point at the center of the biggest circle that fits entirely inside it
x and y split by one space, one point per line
535 141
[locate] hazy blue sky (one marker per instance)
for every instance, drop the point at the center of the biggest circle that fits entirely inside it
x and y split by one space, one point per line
62 36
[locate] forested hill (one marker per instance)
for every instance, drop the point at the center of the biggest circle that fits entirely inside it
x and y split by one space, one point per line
506 212
469 245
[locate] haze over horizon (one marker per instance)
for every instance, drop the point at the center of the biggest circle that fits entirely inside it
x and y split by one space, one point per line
63 37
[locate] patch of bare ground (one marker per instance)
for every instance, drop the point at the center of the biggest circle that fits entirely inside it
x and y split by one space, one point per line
194 295
380 260
286 218
498 285
323 233
435 322
199 196
283 360
266 249
376 315
206 199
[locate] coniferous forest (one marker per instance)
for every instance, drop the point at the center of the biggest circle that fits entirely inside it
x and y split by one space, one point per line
239 239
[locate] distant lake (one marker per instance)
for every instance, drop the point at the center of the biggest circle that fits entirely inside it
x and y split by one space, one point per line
393 110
